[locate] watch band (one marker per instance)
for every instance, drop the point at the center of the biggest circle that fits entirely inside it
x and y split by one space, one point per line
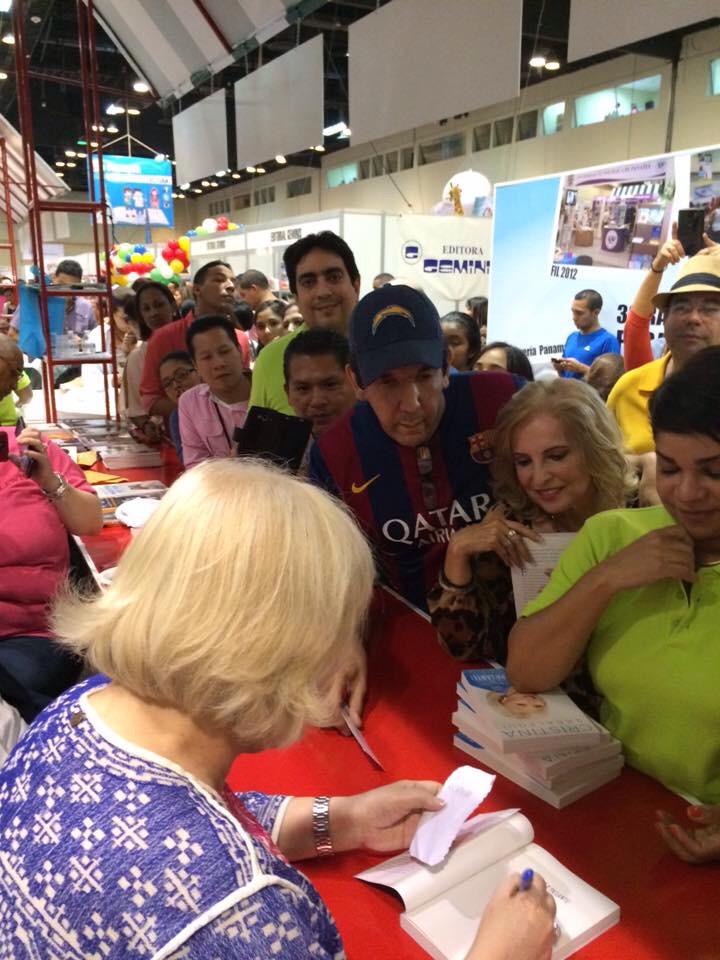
321 826
60 490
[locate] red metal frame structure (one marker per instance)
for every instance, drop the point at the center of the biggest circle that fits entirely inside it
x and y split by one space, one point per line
95 205
6 202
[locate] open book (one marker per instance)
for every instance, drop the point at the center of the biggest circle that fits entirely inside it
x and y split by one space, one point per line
444 904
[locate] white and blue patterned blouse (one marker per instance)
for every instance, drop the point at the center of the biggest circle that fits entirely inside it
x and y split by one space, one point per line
109 851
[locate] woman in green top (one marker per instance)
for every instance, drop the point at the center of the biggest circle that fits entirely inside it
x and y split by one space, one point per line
638 593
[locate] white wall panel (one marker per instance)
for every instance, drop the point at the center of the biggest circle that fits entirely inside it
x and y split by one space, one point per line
279 107
200 138
417 61
596 27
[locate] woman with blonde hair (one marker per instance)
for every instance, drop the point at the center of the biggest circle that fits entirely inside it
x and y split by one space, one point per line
233 620
557 461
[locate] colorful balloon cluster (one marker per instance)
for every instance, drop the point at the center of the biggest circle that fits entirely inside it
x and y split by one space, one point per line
129 261
213 225
176 253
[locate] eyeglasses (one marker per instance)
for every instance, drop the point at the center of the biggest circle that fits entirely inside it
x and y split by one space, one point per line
706 308
178 378
427 486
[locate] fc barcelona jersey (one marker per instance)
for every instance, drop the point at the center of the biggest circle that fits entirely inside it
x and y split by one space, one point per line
409 500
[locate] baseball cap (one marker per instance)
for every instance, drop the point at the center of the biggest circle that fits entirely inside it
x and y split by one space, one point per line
697 275
395 326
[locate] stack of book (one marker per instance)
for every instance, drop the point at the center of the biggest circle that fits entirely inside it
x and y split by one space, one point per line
112 495
542 742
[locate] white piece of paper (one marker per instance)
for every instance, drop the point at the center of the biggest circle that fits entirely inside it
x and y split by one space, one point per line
136 512
357 734
463 790
528 583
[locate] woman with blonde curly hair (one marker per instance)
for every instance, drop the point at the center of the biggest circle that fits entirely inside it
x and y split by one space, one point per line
557 461
234 619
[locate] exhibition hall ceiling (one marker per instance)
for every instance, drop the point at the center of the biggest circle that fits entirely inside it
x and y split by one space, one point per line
188 49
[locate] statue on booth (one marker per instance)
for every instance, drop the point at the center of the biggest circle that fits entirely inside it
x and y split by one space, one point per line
455 196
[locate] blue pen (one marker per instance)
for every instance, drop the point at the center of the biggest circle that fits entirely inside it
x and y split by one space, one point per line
526 879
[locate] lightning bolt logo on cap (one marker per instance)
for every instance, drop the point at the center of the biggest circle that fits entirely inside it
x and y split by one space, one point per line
394 310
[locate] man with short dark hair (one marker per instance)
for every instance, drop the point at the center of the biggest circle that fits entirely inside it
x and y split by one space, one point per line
324 278
412 459
589 341
213 291
381 279
253 287
316 383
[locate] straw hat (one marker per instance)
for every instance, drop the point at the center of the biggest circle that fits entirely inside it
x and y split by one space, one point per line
699 274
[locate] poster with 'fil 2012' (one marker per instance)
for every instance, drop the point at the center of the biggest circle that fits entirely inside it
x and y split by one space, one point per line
138 190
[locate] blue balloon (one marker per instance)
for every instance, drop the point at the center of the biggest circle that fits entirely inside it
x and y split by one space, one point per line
190 233
139 248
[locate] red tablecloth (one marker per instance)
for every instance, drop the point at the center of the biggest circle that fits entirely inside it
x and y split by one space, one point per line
668 908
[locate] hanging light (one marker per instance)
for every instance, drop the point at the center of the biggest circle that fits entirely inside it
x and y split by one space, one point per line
537 61
3 75
552 64
260 170
204 183
196 190
184 186
59 163
133 111
213 183
236 176
112 129
70 153
280 159
141 87
8 38
71 163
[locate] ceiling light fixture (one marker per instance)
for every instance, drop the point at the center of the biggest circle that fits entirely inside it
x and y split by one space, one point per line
185 186
259 169
81 156
70 153
59 163
250 169
552 65
221 173
196 190
280 159
93 143
112 129
133 111
213 183
181 196
141 87
537 61
8 38
3 75
71 163
174 196
204 183
160 157
236 176
319 148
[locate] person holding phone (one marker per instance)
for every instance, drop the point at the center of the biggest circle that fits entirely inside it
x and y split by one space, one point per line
45 497
691 311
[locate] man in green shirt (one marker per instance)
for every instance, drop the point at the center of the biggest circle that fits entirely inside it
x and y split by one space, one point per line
8 408
638 593
325 280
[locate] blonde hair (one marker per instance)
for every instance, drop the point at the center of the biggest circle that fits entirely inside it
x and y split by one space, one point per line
240 603
590 428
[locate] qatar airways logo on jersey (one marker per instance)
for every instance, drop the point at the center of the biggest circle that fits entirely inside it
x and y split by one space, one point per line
435 526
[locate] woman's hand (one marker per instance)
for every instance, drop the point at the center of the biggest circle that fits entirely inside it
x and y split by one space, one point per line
384 819
494 534
42 473
662 554
697 844
516 924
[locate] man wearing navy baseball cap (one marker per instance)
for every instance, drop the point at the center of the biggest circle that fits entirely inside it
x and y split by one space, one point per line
411 459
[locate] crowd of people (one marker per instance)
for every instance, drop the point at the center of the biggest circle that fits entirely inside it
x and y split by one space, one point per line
445 461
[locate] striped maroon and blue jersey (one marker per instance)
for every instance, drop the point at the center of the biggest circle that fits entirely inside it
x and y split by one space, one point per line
381 482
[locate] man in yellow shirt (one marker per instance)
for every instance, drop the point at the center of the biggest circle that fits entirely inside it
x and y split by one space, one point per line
692 322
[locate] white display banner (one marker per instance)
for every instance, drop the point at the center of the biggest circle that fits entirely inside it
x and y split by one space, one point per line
200 138
597 27
597 228
400 73
449 257
279 108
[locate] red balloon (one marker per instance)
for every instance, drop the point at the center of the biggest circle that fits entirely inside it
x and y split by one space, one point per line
127 268
167 254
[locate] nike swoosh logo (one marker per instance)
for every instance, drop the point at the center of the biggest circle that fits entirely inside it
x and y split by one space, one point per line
360 487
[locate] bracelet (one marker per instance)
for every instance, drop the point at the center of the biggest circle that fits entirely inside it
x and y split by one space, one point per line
657 271
458 588
59 492
321 826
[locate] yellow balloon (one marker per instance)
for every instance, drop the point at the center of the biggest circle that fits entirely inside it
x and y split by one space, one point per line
136 257
184 244
119 280
148 257
176 266
232 226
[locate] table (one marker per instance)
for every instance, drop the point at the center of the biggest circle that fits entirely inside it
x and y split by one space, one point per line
668 907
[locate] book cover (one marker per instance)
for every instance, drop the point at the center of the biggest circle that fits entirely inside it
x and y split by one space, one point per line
513 722
113 494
